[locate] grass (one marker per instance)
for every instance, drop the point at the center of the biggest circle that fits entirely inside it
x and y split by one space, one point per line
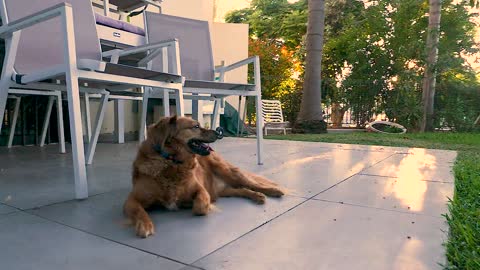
463 244
447 141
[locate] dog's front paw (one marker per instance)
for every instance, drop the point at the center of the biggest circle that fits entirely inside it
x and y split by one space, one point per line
259 198
144 228
201 209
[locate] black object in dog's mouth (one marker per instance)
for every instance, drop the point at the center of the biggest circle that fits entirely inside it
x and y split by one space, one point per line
199 147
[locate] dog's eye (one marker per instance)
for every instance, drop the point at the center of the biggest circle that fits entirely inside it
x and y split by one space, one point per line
197 126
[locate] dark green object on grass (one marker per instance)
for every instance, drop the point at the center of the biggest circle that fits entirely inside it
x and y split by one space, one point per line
229 122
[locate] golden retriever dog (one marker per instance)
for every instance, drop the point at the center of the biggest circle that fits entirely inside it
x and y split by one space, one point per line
176 168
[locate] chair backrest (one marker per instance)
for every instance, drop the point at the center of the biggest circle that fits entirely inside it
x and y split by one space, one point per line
42 45
196 58
272 111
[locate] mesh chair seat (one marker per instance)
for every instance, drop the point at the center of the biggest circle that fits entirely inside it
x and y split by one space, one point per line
114 69
218 85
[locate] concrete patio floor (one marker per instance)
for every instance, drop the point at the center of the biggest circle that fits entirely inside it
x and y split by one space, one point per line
350 207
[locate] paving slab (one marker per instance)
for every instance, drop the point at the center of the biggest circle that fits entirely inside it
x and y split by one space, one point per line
322 235
5 209
303 168
421 164
396 194
357 147
29 242
392 199
33 176
179 235
34 187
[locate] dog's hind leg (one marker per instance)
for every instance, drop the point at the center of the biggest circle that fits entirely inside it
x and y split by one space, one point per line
244 193
135 210
261 180
235 178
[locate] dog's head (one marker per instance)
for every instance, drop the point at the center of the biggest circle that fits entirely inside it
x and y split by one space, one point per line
184 132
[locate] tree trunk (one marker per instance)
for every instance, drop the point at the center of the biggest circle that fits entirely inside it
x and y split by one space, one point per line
310 114
429 79
337 115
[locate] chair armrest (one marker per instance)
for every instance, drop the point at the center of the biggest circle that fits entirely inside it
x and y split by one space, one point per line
41 16
155 3
255 60
241 63
140 49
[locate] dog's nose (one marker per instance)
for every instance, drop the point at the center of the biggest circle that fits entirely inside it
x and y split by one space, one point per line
219 131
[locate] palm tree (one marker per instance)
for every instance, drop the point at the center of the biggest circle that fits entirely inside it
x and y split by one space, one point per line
310 117
429 80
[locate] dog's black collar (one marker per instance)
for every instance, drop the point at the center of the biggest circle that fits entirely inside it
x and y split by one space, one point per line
166 155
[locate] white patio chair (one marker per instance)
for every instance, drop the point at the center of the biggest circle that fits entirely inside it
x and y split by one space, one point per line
55 45
17 93
196 65
53 97
273 116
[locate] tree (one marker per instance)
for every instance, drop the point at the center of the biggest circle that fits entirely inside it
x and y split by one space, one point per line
277 64
429 81
345 48
374 58
276 31
276 72
310 117
432 51
274 20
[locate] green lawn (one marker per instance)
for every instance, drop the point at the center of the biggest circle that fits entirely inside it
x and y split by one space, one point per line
463 245
448 141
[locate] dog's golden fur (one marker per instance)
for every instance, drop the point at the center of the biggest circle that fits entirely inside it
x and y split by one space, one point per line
184 178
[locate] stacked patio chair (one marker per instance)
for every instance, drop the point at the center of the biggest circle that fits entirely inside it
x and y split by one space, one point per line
49 47
196 65
53 45
16 94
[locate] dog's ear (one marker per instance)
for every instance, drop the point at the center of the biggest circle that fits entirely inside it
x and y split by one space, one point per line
173 120
163 130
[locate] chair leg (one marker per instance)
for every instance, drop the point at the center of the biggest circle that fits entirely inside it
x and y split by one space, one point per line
258 104
197 112
216 112
143 117
3 103
88 121
78 154
11 45
120 120
179 102
244 115
46 121
73 97
98 126
14 121
60 127
239 115
166 103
